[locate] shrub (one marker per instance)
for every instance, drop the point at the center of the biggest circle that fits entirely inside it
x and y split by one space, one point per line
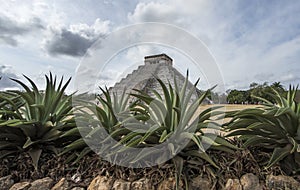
91 118
35 119
157 119
275 127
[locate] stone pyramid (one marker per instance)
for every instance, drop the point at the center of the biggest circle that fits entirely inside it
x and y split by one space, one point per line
143 78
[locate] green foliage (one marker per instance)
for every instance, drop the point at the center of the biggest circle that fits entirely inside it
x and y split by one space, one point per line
9 106
273 126
35 119
256 90
107 115
238 96
174 115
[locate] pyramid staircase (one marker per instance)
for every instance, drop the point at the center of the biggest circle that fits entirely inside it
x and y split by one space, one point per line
143 78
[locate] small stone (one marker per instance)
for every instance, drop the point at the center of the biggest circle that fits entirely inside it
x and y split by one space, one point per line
250 181
233 184
76 178
142 184
20 186
6 182
63 184
45 184
101 183
282 182
77 188
121 184
199 183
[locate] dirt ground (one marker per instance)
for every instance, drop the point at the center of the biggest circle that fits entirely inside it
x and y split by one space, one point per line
230 107
225 108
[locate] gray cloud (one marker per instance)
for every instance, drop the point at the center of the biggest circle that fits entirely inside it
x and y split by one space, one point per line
5 74
75 40
10 29
67 43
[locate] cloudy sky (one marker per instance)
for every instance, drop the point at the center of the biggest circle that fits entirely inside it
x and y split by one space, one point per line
251 42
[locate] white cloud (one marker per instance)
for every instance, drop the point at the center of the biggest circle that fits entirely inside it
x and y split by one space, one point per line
153 11
246 39
251 41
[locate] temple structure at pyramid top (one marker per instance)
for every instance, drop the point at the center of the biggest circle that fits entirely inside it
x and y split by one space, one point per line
143 78
158 59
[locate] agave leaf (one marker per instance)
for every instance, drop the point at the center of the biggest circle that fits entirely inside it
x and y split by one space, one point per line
120 132
9 136
279 154
282 111
5 153
78 144
11 102
221 141
143 96
29 130
157 95
294 143
267 128
8 145
150 132
51 135
29 142
127 138
134 141
168 102
35 156
71 157
210 115
131 143
186 99
159 110
83 153
208 125
202 155
165 135
71 132
12 122
178 163
210 141
237 132
172 149
223 149
271 111
209 110
183 88
194 138
27 89
285 125
262 99
257 140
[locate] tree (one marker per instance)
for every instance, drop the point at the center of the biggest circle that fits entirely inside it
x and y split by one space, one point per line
237 97
278 87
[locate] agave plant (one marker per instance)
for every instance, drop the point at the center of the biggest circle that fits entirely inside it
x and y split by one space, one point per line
92 118
275 127
38 118
9 105
156 120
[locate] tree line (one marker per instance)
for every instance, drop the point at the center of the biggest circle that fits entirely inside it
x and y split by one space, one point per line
248 96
